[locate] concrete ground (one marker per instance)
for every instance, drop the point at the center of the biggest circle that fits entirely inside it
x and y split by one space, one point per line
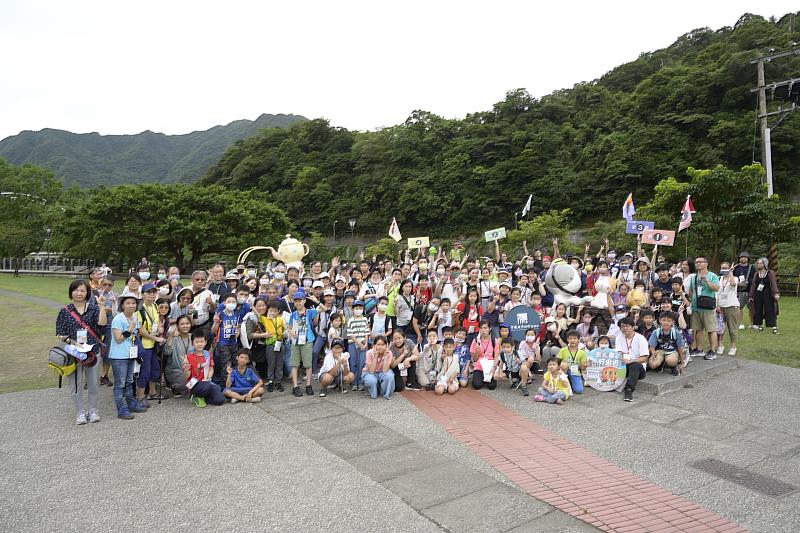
346 462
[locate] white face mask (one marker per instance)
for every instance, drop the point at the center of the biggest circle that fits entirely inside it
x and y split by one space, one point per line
433 308
279 275
251 273
382 307
358 311
241 300
163 291
175 277
612 255
620 316
530 338
440 271
603 346
551 327
144 275
230 306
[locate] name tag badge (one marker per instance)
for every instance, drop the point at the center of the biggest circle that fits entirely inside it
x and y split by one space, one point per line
574 370
301 339
760 287
133 352
136 367
215 298
191 383
277 346
471 329
741 279
81 336
404 372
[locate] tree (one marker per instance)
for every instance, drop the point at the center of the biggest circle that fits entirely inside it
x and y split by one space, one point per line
540 231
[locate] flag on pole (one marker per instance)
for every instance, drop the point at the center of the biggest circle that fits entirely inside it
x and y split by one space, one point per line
394 231
628 210
527 206
686 214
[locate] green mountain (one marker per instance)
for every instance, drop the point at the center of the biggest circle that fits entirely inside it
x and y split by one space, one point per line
582 148
91 159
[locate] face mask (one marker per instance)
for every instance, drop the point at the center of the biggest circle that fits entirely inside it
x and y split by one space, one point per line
163 291
624 267
518 272
230 306
241 300
723 272
358 312
279 275
161 276
551 327
603 346
423 267
530 338
612 255
144 275
175 277
382 307
440 271
433 308
463 277
620 316
251 273
530 263
307 283
458 341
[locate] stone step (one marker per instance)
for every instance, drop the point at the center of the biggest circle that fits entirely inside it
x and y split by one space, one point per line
699 369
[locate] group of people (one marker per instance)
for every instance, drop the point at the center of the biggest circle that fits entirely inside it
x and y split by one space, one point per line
380 326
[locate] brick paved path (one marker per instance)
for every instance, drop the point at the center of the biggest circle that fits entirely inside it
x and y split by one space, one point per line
575 480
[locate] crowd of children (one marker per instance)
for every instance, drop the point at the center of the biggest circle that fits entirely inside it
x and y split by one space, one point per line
380 327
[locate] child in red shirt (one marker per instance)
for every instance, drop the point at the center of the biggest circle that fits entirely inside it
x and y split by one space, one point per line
198 367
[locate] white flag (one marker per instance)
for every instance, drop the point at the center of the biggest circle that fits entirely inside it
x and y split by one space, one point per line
527 206
394 231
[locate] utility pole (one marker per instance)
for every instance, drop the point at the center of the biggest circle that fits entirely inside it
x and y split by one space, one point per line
762 110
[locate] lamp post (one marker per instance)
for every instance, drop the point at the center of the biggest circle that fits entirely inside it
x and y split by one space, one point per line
334 234
352 222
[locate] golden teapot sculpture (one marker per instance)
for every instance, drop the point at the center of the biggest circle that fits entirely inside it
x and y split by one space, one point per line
290 252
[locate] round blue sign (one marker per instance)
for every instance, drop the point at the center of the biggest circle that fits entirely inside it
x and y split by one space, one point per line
521 319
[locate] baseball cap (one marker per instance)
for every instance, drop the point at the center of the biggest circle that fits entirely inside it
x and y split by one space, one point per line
506 284
549 320
337 342
231 276
299 295
340 278
149 286
329 292
620 307
455 264
317 284
357 303
349 294
324 275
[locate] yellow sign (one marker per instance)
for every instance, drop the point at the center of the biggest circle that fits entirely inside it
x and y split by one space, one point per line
418 242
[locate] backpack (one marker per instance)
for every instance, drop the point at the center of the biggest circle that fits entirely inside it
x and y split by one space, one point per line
61 363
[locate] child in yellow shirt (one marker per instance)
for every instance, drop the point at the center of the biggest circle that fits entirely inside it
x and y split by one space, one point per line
555 386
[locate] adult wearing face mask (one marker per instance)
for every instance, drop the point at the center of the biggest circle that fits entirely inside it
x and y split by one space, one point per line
625 273
218 285
174 277
744 272
764 296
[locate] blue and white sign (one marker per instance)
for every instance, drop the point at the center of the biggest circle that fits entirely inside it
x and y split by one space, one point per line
635 227
521 319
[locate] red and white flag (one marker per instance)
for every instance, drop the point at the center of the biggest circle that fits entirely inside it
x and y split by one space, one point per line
394 231
686 214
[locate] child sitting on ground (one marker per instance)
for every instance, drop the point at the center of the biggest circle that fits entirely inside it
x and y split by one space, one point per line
243 384
198 368
515 369
335 369
448 369
573 361
555 387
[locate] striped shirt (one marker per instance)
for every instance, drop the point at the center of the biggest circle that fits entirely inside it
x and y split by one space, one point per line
358 328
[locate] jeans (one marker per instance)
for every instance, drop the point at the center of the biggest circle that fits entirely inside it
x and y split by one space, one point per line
123 384
287 357
319 350
386 380
358 358
75 387
552 397
150 370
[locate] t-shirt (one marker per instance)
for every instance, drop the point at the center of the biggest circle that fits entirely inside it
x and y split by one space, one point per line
513 361
669 341
526 351
631 348
303 326
560 382
578 357
397 351
241 381
198 363
487 349
461 353
67 326
744 275
330 361
148 320
228 326
200 303
727 297
358 327
379 361
121 350
470 320
699 287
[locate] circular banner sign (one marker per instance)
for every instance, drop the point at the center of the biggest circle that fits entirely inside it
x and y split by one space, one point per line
522 318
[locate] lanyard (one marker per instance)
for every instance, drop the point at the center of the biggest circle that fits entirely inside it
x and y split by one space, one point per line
483 350
572 356
629 346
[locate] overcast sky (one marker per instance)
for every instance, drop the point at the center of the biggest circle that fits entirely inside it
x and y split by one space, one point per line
174 66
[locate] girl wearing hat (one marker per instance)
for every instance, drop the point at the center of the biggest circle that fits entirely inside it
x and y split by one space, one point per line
78 323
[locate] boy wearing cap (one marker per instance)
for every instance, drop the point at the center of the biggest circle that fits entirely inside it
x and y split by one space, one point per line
301 333
335 369
358 334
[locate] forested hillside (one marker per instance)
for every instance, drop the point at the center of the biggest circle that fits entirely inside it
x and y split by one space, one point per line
582 148
91 159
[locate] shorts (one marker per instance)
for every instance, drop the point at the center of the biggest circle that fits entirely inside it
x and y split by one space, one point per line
704 320
239 390
301 352
744 299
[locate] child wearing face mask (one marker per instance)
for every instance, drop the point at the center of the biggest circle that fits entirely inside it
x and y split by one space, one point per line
380 323
358 335
550 341
587 333
620 312
430 361
226 334
529 351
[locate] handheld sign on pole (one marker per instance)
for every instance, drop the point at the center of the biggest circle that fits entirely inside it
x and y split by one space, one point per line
495 234
662 237
418 242
635 227
522 318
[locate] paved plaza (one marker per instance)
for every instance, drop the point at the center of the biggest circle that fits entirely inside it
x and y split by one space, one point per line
721 454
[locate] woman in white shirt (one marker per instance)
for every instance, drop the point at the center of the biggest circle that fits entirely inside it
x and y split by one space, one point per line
728 304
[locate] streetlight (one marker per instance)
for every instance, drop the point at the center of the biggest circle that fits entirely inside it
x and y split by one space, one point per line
334 234
352 227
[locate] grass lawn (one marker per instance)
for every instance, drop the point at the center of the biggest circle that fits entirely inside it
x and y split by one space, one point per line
32 327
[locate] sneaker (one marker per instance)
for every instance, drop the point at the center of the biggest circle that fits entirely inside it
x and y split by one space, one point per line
344 390
156 397
125 415
538 398
732 352
137 409
720 349
515 383
525 391
143 403
105 381
628 397
279 387
559 402
314 377
296 392
775 331
413 387
354 388
360 388
234 400
323 391
93 416
256 399
710 356
309 390
697 352
81 419
198 401
741 326
270 387
176 393
760 328
687 358
674 370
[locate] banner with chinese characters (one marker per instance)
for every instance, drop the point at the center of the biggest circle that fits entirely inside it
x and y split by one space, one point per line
605 371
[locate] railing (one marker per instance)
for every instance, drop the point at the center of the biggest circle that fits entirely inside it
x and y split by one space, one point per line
789 284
